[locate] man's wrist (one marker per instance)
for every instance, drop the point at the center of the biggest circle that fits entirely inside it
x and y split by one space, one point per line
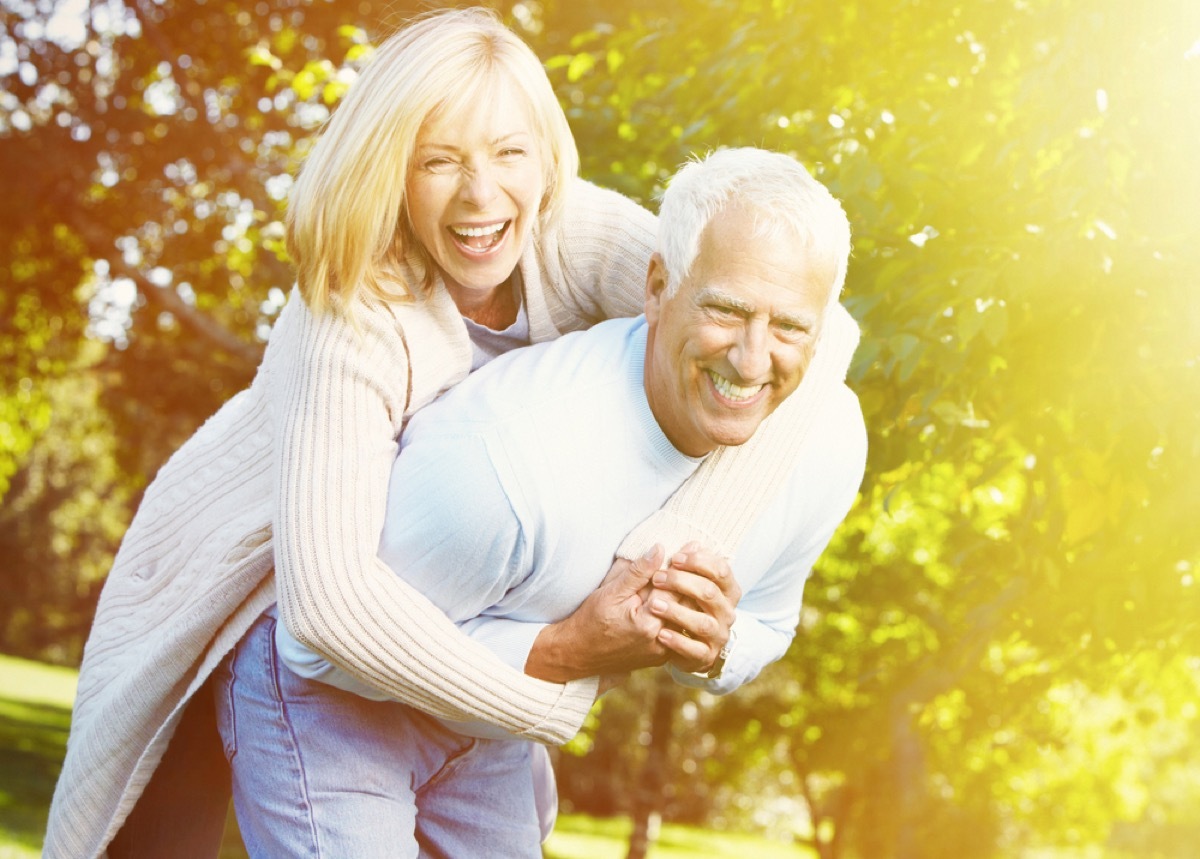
715 670
546 660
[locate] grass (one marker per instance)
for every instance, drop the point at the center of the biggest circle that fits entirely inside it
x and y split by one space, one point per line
35 713
579 837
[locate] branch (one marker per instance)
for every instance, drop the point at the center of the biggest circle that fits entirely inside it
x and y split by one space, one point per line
166 51
166 299
195 320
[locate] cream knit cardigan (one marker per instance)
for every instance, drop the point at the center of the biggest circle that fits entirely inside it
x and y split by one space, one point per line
292 474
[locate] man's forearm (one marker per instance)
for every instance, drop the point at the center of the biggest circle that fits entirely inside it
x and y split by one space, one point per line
550 657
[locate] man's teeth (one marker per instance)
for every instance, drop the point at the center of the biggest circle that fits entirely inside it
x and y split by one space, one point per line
476 232
729 390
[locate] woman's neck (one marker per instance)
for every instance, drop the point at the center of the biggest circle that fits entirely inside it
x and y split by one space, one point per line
495 309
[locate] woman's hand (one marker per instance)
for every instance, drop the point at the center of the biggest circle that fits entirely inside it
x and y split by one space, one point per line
696 599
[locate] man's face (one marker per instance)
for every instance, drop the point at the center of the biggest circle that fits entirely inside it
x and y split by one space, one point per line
735 339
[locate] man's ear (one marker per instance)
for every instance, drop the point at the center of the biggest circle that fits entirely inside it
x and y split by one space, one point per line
656 288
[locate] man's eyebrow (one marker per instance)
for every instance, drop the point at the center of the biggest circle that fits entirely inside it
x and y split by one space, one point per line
801 320
712 295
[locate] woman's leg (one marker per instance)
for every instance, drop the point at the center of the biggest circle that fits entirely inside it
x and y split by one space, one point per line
318 772
182 811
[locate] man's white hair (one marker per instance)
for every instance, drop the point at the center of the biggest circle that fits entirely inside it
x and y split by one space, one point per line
788 204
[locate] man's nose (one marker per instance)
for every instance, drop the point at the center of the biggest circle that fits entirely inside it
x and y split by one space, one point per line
751 352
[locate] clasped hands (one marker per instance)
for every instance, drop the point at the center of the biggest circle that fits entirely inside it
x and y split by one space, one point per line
644 614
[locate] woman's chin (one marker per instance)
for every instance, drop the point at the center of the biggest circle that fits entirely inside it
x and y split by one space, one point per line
474 271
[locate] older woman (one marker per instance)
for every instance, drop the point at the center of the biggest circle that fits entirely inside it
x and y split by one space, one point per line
437 222
413 262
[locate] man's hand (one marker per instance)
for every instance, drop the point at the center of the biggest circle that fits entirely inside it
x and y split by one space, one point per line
611 633
696 622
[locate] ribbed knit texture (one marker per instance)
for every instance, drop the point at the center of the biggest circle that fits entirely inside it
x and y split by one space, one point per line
293 472
333 479
193 571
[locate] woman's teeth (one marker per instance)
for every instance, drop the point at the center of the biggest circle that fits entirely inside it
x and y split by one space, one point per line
480 238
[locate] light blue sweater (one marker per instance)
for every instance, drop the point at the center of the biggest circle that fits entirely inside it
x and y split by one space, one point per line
524 478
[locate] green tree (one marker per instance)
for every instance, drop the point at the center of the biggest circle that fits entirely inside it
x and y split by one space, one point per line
1019 179
148 148
1000 650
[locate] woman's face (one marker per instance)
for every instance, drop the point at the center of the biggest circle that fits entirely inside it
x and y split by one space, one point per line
474 189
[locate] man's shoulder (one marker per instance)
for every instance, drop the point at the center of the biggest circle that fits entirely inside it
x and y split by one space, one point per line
835 449
540 380
846 411
841 430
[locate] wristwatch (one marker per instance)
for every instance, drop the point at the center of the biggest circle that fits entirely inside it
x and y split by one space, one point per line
718 666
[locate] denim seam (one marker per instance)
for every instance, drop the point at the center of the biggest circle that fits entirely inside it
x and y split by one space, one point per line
306 803
229 679
450 765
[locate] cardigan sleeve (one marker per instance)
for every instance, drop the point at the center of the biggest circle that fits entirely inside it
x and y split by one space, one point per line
340 394
595 263
780 549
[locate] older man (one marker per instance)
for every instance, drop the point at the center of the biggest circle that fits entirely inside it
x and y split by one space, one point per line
524 478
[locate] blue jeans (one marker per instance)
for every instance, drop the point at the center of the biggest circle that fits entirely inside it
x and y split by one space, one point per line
318 772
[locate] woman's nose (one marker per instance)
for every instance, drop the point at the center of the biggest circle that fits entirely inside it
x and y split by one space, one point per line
479 186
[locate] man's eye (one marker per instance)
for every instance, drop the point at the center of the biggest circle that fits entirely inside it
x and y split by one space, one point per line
791 330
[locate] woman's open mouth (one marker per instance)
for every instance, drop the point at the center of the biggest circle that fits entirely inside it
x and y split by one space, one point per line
481 239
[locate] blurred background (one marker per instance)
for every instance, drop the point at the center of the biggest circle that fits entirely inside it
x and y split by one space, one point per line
1000 653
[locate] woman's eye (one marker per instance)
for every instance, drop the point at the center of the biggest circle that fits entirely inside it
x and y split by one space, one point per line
439 164
512 152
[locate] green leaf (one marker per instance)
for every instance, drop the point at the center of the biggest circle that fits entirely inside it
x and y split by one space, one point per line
579 66
260 55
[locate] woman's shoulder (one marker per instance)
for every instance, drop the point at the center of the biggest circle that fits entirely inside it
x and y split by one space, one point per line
404 352
604 224
591 206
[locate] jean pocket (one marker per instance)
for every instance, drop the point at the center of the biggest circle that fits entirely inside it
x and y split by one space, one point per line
224 679
455 760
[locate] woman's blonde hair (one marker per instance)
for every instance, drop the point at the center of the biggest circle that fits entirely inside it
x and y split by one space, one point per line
347 222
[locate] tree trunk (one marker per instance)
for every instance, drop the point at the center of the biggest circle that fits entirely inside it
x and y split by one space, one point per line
648 798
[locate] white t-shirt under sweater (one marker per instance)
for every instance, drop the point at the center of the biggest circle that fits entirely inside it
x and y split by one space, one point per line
524 478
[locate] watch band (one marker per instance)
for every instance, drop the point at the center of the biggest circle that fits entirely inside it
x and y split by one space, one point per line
714 672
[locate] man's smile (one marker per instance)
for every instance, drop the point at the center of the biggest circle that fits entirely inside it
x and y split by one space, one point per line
729 391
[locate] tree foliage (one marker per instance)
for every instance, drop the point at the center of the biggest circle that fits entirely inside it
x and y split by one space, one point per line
1000 650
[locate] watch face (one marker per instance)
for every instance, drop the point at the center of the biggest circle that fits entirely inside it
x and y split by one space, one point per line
719 665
